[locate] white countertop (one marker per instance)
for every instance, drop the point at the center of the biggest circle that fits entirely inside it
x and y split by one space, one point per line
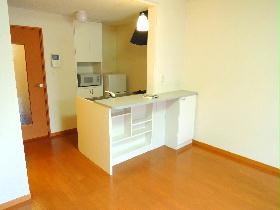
135 100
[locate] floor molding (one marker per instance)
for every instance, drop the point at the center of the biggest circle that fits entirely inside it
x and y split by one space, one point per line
16 202
258 165
34 139
69 131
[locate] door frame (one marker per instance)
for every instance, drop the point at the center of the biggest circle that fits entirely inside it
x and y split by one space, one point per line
44 73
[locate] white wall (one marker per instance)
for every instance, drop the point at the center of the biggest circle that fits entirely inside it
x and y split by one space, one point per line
13 175
61 82
131 58
109 49
232 61
166 51
119 55
163 74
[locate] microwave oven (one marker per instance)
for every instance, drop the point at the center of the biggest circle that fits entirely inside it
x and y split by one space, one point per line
89 79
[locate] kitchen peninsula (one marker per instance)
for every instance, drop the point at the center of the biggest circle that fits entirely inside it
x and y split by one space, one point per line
114 130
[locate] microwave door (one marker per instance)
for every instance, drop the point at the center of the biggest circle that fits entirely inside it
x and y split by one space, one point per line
86 81
97 80
89 81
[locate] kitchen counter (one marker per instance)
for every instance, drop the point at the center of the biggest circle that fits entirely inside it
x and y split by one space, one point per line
114 130
136 100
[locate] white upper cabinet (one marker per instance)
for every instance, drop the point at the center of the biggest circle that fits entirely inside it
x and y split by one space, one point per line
88 41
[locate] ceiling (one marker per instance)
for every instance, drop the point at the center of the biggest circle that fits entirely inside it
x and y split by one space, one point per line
98 10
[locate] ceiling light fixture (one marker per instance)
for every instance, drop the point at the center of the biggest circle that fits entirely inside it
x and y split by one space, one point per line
142 22
81 16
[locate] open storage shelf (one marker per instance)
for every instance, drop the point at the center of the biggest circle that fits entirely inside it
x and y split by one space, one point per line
131 132
133 146
121 115
141 113
121 137
124 139
121 127
141 121
89 67
141 128
120 112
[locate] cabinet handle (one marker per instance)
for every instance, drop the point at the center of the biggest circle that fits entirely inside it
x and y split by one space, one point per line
183 99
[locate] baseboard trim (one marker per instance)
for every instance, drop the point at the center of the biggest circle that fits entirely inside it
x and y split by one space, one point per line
255 164
16 202
35 139
184 148
69 131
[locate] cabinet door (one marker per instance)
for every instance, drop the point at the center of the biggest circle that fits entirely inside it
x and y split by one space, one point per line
88 42
89 92
186 118
97 91
171 123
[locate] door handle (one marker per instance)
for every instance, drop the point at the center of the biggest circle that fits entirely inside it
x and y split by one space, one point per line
40 85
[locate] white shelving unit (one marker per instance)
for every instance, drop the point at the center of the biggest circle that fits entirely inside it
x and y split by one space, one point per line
141 114
132 147
131 132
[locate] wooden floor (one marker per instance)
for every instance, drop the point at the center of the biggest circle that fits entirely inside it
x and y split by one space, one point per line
192 179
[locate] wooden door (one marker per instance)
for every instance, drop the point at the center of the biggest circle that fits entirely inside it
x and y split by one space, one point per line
30 79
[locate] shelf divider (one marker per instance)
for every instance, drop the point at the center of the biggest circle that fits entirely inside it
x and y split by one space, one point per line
140 121
121 115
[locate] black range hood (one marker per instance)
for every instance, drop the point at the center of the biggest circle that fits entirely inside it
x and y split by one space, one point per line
140 37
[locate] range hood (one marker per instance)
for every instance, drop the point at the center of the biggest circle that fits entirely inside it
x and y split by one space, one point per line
140 37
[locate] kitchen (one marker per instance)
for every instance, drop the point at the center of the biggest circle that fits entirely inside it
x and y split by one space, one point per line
110 60
113 130
116 123
218 140
108 56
